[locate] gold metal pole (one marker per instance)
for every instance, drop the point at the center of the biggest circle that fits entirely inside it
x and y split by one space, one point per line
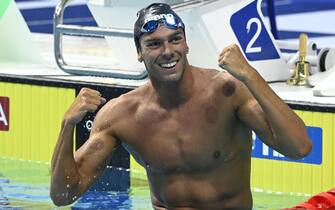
302 67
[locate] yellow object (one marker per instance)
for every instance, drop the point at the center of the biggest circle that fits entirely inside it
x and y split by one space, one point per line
35 119
292 177
302 68
303 47
137 171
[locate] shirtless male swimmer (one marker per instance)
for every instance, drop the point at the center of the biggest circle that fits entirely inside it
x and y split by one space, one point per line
189 127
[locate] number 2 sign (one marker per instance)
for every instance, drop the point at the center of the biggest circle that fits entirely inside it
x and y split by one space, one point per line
252 35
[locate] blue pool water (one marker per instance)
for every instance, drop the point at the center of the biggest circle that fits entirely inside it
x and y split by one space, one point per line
25 185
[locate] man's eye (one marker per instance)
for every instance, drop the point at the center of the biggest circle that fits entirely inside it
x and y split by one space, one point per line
176 39
153 44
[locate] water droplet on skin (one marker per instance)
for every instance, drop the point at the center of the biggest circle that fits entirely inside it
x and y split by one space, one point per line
216 154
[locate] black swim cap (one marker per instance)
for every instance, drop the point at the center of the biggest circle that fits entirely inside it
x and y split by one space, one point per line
154 11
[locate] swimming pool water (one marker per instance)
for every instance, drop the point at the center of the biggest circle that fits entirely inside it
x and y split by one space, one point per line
25 185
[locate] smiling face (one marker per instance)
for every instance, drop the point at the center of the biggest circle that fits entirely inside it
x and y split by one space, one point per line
164 54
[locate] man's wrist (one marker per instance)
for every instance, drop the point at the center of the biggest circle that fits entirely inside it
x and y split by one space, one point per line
252 75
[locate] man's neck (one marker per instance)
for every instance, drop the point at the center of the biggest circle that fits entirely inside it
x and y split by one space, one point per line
173 94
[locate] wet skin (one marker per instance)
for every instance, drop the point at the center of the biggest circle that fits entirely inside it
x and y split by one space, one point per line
197 155
189 127
198 139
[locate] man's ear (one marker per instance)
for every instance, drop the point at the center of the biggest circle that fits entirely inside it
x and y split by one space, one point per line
139 56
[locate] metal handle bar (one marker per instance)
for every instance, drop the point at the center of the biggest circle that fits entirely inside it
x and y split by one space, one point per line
60 29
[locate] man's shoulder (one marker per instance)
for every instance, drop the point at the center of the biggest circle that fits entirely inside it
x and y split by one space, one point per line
126 101
118 109
214 76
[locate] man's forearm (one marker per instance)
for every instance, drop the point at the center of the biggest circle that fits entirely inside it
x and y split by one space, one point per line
64 143
64 173
285 124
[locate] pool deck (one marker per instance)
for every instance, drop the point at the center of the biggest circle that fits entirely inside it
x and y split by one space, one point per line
97 54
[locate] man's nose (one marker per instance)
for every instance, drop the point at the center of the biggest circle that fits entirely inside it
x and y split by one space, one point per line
168 51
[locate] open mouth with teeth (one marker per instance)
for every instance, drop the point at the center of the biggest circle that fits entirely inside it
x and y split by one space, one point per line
170 65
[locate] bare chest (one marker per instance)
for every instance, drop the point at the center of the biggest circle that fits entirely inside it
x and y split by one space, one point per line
195 137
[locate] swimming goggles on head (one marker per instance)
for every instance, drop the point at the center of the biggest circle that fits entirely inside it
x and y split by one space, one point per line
169 20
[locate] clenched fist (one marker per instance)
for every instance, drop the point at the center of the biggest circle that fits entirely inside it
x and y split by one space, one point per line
88 100
232 60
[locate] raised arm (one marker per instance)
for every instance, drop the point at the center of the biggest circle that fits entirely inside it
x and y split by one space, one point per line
262 110
73 173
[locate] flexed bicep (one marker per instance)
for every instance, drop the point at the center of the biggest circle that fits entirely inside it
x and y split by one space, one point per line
93 156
